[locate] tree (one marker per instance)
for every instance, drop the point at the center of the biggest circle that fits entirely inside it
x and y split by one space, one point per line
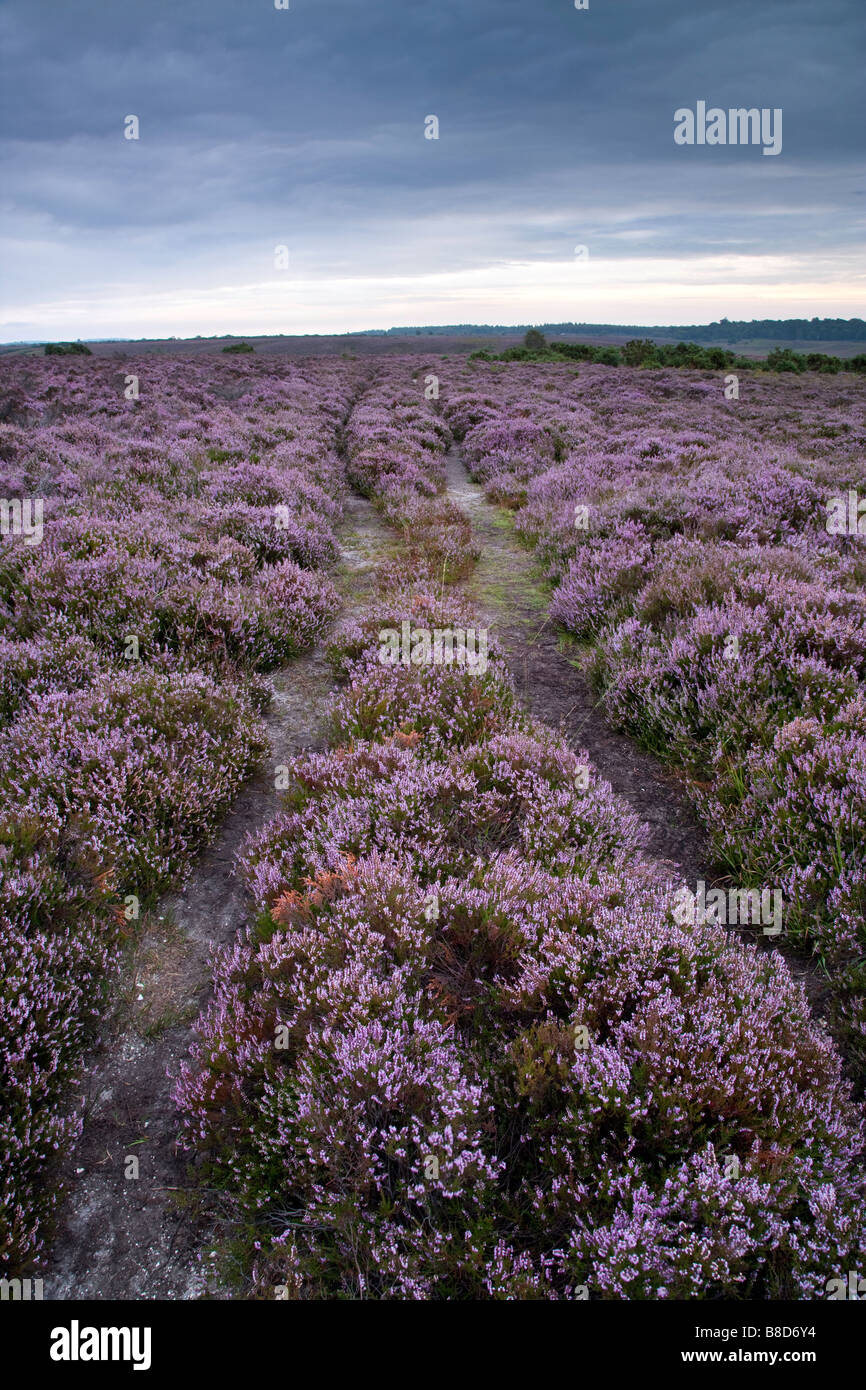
534 340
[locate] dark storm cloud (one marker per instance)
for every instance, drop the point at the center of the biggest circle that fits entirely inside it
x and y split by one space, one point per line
305 126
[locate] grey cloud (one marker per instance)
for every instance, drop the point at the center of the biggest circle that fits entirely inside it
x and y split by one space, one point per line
306 126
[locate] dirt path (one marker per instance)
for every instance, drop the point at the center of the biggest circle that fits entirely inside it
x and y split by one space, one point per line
136 1238
507 590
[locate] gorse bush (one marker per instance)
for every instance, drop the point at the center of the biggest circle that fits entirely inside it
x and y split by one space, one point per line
645 352
67 350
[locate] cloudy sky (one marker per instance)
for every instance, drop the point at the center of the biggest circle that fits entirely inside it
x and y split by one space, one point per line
304 128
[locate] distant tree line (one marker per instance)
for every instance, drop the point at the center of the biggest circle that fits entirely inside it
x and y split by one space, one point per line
643 352
724 330
740 330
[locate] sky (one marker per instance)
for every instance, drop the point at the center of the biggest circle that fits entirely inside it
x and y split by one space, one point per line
554 192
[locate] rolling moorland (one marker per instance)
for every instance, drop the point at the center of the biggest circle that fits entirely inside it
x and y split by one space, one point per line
843 338
333 973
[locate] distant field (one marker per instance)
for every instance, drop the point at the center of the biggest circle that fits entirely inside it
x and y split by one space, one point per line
364 345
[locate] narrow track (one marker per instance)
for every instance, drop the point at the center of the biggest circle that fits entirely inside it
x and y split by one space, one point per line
506 588
145 1237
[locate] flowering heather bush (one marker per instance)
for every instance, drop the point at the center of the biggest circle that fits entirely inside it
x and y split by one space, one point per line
841 938
515 791
268 534
437 536
422 605
439 702
686 695
802 817
261 624
687 539
805 801
58 940
394 439
58 659
206 600
468 1052
138 769
193 520
601 579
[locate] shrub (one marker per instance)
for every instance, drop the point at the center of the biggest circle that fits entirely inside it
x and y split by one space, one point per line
118 763
67 350
785 360
821 362
717 610
802 819
640 352
577 352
